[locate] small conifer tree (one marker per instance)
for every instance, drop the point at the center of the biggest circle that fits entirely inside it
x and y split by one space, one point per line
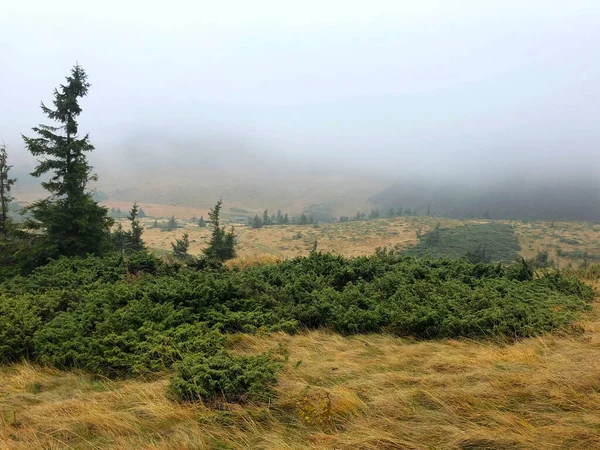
171 224
181 246
134 241
222 243
256 222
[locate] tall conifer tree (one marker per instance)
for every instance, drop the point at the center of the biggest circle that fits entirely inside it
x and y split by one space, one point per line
5 197
73 223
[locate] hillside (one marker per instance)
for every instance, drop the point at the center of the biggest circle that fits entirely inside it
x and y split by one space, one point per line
287 347
510 198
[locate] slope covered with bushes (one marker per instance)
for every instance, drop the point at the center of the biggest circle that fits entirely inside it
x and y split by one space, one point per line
120 317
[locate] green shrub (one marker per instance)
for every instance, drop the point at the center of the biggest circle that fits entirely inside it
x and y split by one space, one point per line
19 320
139 338
89 313
143 262
225 376
541 260
476 242
520 271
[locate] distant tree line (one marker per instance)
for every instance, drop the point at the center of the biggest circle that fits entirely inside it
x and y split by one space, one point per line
115 213
279 218
308 219
376 214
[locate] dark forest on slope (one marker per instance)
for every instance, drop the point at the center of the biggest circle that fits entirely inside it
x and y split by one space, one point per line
575 199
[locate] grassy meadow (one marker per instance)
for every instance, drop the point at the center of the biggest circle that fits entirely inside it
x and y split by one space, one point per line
566 242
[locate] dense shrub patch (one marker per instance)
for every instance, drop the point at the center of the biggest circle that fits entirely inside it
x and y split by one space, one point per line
230 377
487 242
121 316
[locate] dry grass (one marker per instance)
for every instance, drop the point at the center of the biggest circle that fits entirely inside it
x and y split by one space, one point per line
280 242
361 392
361 238
569 237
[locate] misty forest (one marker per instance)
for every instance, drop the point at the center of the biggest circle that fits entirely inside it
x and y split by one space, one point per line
357 280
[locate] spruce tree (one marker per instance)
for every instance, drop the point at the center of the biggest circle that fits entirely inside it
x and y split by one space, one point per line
9 238
6 184
222 244
119 238
202 222
171 224
134 237
181 246
315 244
266 220
71 221
256 222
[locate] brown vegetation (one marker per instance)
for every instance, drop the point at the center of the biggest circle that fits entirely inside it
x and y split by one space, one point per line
280 242
361 238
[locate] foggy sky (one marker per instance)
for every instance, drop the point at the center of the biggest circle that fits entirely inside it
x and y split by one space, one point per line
446 87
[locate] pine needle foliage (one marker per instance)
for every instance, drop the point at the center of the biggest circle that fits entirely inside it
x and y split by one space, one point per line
6 198
71 222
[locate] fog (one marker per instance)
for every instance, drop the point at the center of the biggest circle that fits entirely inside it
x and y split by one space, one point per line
200 94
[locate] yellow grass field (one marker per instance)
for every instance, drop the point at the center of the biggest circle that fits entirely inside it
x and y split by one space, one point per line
360 392
350 239
361 238
569 237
